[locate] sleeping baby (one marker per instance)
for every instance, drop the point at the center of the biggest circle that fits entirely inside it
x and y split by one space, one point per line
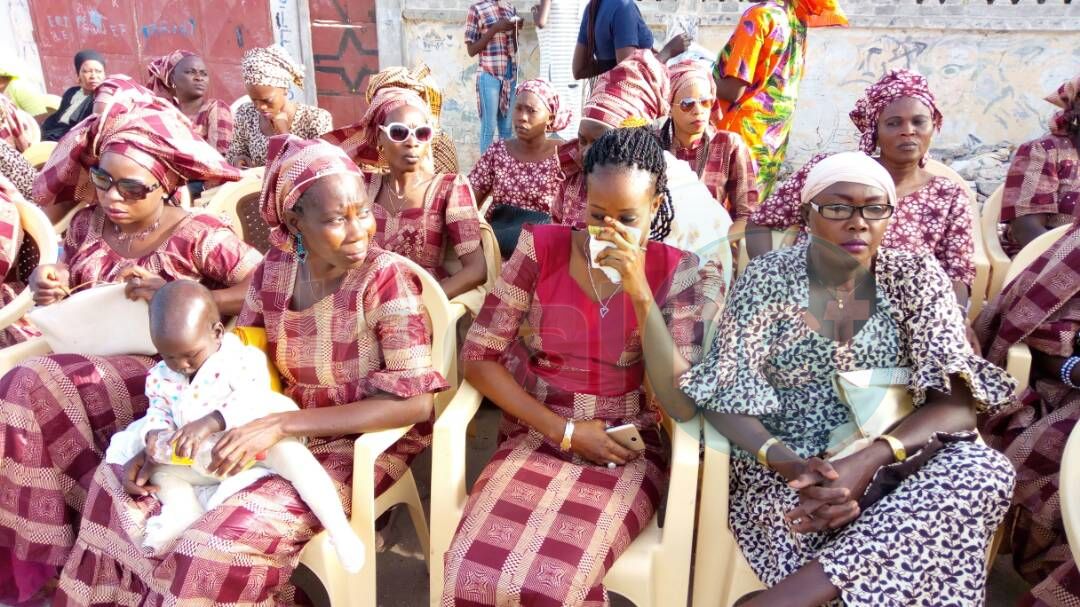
207 382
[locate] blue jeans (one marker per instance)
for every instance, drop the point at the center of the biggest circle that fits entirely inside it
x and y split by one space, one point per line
490 116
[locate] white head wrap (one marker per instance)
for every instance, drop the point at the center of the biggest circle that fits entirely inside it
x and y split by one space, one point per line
848 167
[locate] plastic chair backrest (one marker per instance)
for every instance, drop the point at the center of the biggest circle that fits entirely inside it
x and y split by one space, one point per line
38 154
443 331
256 336
239 203
999 261
1032 251
239 102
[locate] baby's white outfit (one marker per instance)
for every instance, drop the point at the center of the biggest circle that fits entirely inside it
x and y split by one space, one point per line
235 382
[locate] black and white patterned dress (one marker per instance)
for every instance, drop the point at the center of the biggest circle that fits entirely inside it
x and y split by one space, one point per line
923 544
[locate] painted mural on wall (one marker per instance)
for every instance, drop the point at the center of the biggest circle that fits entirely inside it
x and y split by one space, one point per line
990 85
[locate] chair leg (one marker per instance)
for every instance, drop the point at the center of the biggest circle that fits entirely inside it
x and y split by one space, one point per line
416 515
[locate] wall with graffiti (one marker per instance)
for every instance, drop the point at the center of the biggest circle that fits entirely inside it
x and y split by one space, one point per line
990 81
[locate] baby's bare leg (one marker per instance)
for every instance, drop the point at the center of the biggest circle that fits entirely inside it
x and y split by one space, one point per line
295 463
180 505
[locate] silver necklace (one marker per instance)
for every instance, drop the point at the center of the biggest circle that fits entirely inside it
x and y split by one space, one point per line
604 305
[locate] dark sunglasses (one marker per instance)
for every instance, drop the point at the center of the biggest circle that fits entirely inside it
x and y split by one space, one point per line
129 189
871 212
688 103
398 132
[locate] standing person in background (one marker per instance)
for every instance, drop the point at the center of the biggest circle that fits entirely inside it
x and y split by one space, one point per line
491 31
611 30
557 23
78 101
182 77
758 75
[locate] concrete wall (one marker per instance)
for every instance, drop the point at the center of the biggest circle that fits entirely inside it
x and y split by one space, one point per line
17 39
990 64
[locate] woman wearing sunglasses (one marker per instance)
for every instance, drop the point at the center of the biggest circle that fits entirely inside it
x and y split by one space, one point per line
417 211
910 515
269 73
897 117
132 160
720 158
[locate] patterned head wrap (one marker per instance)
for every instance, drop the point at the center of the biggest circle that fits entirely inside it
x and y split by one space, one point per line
292 166
550 97
125 92
160 72
1067 121
155 135
17 127
638 87
687 71
271 66
820 13
361 140
896 84
418 80
848 167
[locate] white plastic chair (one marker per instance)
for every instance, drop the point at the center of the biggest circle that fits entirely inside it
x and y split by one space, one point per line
999 261
37 227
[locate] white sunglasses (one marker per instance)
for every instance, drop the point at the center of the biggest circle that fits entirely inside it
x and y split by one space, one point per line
399 133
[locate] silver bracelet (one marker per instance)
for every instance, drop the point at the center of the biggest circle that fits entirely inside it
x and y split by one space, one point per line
1066 371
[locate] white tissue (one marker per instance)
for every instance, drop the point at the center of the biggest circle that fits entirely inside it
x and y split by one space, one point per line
596 246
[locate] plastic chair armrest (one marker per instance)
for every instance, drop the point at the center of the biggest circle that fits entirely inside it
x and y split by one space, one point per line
1018 364
677 535
367 448
15 354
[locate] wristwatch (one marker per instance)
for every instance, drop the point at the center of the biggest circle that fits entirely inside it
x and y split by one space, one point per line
568 434
898 450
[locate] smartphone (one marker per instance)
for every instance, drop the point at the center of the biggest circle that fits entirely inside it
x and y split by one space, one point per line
627 436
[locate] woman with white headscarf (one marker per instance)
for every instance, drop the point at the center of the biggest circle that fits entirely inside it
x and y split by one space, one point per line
910 515
268 74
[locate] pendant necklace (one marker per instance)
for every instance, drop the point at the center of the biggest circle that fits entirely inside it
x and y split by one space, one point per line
604 305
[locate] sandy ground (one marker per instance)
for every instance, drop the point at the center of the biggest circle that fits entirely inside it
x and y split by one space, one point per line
403 576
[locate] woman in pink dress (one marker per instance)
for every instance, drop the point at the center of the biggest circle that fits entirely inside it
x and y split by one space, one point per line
418 212
522 174
348 332
560 500
58 412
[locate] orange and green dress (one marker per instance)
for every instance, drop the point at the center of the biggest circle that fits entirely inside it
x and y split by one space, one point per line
767 50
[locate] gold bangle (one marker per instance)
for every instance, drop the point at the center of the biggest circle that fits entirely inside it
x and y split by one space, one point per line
898 450
763 451
568 435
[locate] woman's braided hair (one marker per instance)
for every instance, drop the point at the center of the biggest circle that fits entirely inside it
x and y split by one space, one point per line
636 148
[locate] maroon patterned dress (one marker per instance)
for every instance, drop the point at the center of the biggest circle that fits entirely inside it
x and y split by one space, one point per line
378 337
448 215
214 123
934 220
572 199
58 412
543 526
528 185
1044 178
725 166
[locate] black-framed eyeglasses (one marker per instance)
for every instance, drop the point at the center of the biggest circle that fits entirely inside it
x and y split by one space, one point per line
129 189
871 212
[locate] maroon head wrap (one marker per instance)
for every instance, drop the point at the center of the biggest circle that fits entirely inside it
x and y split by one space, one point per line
361 140
636 89
1067 121
894 85
160 72
547 94
292 166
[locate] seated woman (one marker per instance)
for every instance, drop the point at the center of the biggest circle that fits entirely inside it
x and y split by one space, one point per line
268 74
78 101
67 406
522 174
1043 184
933 215
181 77
417 211
911 515
1041 308
635 93
720 158
418 80
525 536
348 332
